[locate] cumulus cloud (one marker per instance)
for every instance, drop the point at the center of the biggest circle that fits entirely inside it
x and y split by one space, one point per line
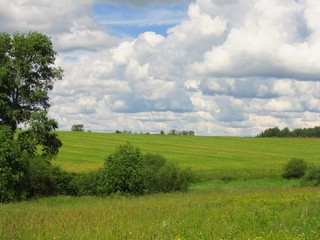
232 67
221 71
45 16
83 39
141 3
268 42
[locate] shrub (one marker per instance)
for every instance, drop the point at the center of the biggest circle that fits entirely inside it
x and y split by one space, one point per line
124 171
86 184
41 181
13 167
63 181
312 176
127 171
153 163
23 175
171 178
295 168
46 180
165 177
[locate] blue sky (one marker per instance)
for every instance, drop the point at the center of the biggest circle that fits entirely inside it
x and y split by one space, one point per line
130 21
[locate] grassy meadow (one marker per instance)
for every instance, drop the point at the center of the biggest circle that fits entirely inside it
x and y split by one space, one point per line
239 193
236 214
210 157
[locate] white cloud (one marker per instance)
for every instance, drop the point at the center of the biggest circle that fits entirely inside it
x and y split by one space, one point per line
267 43
83 39
146 2
42 15
231 68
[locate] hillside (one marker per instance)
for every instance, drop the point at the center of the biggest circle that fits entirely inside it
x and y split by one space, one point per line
219 156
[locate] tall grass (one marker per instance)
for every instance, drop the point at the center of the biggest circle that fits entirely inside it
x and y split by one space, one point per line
246 214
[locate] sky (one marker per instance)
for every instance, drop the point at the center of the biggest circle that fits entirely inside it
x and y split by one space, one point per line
217 67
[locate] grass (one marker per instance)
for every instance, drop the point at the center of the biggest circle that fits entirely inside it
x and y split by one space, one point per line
210 157
220 214
239 194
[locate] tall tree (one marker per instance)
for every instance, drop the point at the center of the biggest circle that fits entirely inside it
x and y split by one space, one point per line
27 74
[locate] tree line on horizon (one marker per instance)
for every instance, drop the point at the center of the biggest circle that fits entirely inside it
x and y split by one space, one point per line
80 128
173 132
286 132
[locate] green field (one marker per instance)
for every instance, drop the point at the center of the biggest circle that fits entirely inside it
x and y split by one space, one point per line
239 193
245 214
210 157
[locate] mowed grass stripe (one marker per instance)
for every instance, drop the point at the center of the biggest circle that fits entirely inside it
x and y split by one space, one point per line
82 151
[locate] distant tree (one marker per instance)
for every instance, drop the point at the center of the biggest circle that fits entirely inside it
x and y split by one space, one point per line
77 128
181 133
191 133
172 132
285 132
162 132
270 132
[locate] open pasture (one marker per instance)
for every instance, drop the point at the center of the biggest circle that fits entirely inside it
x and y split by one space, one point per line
234 208
209 157
236 214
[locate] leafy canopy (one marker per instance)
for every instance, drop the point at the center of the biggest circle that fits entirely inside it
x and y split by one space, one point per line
27 74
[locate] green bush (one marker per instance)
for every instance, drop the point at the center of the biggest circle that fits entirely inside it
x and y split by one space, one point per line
312 176
171 178
127 171
41 181
63 181
124 172
23 175
86 184
47 180
13 168
153 163
295 168
165 177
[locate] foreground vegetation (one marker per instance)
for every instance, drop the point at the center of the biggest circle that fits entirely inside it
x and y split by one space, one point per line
249 198
237 214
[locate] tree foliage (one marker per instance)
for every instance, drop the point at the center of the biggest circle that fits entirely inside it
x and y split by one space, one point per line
27 74
295 168
181 133
128 171
165 177
312 175
286 132
13 167
40 136
77 128
124 171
